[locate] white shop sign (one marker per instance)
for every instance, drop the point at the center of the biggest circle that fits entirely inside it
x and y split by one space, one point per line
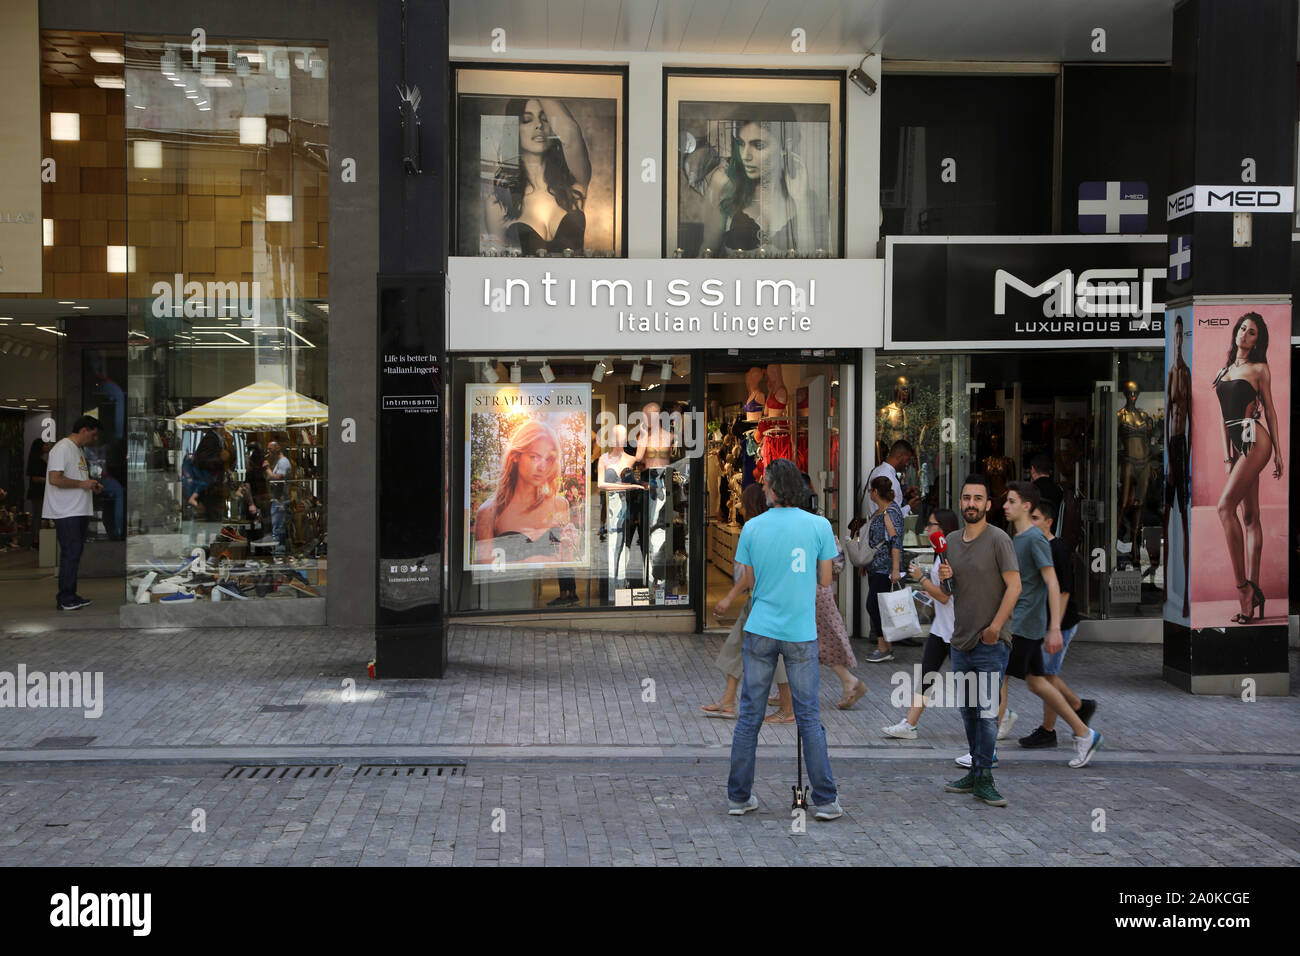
553 304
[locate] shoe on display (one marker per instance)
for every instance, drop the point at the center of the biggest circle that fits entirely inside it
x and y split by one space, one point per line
740 809
231 533
1085 747
142 592
303 587
1008 721
227 592
1039 738
180 597
902 730
1087 707
163 587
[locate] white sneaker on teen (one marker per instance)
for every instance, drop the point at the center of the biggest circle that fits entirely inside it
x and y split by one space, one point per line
902 730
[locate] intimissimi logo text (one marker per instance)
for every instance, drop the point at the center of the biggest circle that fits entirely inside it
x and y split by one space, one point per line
196 300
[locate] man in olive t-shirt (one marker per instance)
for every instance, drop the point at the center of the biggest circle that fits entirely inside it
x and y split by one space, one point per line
985 584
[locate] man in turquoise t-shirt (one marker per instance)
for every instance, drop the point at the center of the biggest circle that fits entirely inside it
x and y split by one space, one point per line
784 554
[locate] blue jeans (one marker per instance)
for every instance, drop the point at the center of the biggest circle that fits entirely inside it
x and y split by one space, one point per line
277 526
758 656
981 730
71 533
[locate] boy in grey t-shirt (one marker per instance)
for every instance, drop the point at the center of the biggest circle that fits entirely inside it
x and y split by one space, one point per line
1039 588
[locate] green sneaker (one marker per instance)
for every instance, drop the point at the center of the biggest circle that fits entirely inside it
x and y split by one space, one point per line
984 790
965 785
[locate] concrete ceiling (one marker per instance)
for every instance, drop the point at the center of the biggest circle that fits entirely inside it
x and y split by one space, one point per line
1017 30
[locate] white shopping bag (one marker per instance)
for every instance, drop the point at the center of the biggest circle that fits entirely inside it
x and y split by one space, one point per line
898 615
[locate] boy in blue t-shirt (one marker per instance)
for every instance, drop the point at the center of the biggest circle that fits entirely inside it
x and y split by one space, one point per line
784 554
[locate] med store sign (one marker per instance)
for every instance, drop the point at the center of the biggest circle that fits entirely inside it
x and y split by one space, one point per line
664 304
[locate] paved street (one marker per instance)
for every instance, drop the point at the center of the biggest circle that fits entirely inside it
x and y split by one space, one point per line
556 750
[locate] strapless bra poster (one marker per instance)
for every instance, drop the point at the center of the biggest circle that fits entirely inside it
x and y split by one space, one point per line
757 162
539 162
1240 431
526 484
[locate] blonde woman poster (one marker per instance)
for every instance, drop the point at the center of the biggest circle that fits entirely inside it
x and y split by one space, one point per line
527 476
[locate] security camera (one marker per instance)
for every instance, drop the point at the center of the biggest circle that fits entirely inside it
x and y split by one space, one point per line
860 79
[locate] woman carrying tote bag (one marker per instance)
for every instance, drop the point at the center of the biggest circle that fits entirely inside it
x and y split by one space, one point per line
885 533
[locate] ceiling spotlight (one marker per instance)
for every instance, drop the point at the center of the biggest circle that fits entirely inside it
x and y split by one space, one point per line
637 370
548 376
490 372
516 373
599 371
863 82
666 372
104 55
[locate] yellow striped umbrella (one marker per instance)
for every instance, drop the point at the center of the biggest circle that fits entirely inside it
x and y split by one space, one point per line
262 404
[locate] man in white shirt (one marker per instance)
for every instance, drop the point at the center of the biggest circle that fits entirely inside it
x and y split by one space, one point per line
278 470
69 503
899 457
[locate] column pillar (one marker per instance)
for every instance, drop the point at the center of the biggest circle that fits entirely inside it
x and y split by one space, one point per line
1227 347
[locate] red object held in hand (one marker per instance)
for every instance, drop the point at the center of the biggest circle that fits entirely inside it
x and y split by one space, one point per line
938 542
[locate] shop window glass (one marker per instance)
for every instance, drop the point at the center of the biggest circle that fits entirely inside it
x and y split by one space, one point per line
966 155
228 285
576 476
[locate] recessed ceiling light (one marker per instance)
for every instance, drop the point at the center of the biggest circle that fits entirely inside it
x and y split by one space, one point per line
147 154
47 231
67 302
81 307
279 209
105 55
110 82
252 130
215 81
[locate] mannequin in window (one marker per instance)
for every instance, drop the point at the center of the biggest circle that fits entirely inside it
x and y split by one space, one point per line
654 447
774 429
753 409
1136 428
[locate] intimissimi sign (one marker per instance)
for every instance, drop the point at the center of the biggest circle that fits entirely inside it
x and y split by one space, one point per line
653 304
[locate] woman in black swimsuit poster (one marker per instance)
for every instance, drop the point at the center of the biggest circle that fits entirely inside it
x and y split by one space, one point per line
754 177
1241 399
538 156
527 454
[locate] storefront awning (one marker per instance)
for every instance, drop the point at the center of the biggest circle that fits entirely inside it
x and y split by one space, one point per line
260 405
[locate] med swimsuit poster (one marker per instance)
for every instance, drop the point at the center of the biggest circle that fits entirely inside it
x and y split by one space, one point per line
1240 430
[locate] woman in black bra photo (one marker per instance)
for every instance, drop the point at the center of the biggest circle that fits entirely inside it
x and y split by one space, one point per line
1250 439
536 203
526 521
761 198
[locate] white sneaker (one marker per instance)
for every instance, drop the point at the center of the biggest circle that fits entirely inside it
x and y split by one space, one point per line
1008 722
964 759
142 593
740 809
1085 747
902 730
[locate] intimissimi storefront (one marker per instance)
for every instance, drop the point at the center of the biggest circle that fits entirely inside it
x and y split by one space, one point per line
641 397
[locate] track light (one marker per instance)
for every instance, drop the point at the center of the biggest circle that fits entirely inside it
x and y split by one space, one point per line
666 372
637 370
490 373
599 371
516 373
863 82
548 376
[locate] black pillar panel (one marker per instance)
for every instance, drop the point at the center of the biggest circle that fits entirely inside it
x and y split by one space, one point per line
1233 95
411 492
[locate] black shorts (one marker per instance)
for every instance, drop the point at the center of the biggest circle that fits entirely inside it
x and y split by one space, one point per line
1026 657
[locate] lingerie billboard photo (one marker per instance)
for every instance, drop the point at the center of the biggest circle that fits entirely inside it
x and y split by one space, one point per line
526 487
1240 429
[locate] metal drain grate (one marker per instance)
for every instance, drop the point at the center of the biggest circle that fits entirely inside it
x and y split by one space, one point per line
283 708
63 743
410 770
280 772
